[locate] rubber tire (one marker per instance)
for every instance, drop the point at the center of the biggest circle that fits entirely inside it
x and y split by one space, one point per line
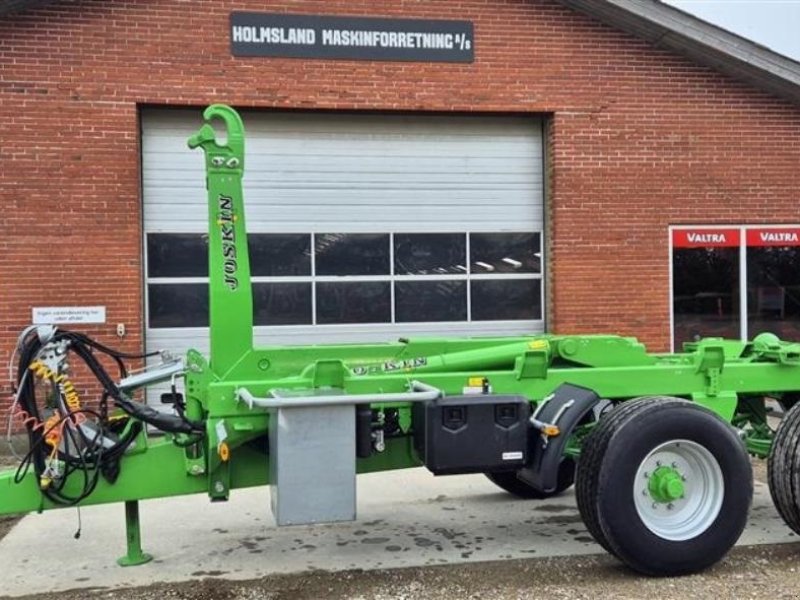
593 451
607 468
507 480
783 468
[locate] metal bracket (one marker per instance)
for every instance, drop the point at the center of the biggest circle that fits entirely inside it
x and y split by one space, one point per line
563 410
712 384
163 371
710 360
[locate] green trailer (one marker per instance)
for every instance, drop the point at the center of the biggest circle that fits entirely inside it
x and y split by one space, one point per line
657 445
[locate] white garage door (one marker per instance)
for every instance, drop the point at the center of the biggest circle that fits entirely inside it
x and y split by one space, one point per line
361 227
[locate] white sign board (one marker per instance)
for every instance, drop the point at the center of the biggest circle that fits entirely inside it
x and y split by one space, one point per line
59 315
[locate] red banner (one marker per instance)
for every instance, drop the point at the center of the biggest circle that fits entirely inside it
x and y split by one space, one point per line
774 236
705 238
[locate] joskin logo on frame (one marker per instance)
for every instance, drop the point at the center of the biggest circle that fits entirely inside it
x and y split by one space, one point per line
353 38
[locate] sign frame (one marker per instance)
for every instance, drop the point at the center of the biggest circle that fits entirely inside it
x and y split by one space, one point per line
68 315
350 38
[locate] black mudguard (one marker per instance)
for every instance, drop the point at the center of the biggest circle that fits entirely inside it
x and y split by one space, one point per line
546 453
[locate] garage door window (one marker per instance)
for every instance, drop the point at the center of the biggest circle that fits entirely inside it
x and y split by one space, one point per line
337 278
279 254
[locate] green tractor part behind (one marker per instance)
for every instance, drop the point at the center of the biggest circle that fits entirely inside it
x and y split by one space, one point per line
656 444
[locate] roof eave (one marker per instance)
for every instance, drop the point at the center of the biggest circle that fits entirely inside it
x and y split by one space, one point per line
668 27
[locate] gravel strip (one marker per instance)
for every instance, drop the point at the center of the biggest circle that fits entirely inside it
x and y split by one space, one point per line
756 572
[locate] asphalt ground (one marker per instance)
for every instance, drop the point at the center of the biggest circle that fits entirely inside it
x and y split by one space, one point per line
416 536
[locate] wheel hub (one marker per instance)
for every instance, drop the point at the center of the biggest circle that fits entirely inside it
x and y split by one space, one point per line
678 490
666 485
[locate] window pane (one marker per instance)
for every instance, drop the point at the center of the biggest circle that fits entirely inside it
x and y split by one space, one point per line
280 254
282 303
773 291
430 253
177 255
354 302
430 301
352 253
705 295
505 252
178 304
506 299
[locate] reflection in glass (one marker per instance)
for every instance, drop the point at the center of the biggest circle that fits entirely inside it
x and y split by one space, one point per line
505 253
177 255
705 295
773 291
418 258
280 254
354 302
352 253
178 304
282 303
430 253
419 301
506 299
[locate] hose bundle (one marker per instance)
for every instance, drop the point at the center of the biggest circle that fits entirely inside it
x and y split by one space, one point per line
67 438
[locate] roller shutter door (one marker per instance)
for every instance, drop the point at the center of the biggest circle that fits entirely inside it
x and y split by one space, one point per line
362 227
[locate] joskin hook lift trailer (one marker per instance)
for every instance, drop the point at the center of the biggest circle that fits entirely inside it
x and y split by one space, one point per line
656 444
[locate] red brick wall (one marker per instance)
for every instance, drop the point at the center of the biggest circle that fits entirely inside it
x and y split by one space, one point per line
640 139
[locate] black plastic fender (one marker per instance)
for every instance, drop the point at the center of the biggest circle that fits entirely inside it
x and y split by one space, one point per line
565 408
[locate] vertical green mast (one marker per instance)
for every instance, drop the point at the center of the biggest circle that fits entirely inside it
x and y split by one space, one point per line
230 294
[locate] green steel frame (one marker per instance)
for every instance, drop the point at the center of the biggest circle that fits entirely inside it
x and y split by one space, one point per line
731 378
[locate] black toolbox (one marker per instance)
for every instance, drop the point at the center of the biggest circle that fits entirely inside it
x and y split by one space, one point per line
473 433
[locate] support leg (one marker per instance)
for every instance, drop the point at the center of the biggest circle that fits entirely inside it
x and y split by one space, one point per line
135 556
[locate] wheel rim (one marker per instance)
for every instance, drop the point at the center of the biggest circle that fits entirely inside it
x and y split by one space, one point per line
678 490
